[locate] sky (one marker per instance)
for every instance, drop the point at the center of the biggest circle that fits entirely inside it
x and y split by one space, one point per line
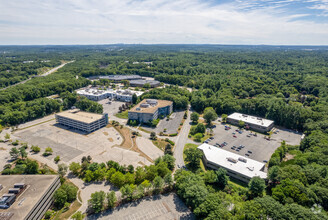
254 22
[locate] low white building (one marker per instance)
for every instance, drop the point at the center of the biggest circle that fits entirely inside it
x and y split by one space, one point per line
98 94
237 166
255 123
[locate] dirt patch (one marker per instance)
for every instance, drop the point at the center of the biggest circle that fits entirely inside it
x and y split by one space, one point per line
105 133
110 139
288 157
2 148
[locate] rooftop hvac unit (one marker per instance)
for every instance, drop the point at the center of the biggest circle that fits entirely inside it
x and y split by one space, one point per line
242 159
138 109
14 190
151 101
230 159
144 105
19 185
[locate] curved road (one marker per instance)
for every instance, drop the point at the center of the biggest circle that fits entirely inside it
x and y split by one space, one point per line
182 140
45 74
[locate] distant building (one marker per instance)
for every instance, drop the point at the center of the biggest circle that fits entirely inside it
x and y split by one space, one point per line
142 82
84 121
252 122
120 95
117 78
237 166
150 109
26 196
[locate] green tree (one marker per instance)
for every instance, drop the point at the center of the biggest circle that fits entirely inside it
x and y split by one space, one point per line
71 191
224 117
168 149
210 115
32 167
241 124
127 191
222 177
97 201
35 149
14 153
78 216
194 117
118 179
75 167
88 177
153 135
62 169
60 198
111 199
169 160
134 98
198 137
22 152
193 156
256 186
57 159
158 183
200 128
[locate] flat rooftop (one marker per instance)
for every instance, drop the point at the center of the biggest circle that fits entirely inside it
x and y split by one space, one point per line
251 119
150 109
143 81
37 185
99 92
220 157
120 77
76 114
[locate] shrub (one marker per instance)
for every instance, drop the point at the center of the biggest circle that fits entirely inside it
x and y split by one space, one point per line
35 149
48 151
57 159
173 135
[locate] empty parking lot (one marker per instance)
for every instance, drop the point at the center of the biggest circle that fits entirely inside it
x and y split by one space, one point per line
156 207
71 145
261 148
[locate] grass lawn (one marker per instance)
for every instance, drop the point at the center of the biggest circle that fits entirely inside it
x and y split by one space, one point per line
122 115
160 143
72 209
187 146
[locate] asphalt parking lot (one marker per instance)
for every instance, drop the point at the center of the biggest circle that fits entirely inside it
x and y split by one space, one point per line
171 125
156 207
111 107
261 148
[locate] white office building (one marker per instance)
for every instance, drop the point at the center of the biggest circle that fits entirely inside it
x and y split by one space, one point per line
237 166
255 123
98 94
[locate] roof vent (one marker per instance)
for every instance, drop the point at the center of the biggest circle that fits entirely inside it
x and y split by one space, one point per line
230 159
242 159
250 168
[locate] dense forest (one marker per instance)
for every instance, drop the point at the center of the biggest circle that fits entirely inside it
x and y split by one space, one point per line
285 84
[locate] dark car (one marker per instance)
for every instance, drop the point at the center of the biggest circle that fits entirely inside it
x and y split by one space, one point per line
249 152
265 161
247 155
233 147
238 149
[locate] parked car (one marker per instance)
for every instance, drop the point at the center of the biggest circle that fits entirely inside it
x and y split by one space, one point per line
233 147
247 155
249 151
234 136
248 135
265 161
238 149
211 138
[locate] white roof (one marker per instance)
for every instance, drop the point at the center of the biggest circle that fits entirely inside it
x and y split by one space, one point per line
251 119
98 92
220 157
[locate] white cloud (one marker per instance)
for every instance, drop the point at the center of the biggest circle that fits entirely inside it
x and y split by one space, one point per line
154 21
